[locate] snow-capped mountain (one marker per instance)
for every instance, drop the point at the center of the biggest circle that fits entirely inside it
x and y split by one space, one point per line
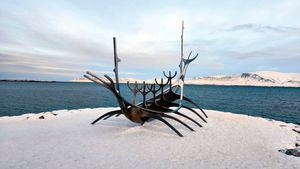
261 78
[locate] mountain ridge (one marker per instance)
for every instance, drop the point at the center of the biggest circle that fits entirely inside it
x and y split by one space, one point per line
260 78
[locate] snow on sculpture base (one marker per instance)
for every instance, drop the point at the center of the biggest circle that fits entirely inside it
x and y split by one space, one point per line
66 139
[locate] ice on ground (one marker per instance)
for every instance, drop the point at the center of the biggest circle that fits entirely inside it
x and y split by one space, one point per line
68 140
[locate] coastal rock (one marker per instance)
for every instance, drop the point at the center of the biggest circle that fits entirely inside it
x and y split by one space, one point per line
41 117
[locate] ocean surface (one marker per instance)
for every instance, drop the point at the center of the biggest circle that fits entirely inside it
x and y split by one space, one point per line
277 103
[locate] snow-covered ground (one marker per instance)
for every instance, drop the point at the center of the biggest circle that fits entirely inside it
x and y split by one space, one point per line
66 139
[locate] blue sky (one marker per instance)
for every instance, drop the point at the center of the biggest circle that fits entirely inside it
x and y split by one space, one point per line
60 40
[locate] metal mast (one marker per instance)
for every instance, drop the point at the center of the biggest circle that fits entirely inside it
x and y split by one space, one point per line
116 61
182 27
181 49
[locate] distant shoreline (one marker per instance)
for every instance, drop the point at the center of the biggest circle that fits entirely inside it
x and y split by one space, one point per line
203 84
239 85
139 82
41 81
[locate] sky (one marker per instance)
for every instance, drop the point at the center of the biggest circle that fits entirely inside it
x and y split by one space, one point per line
61 40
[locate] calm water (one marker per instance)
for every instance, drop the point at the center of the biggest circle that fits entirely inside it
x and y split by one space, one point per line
275 103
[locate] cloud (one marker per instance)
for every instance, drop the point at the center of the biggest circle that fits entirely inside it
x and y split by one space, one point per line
274 53
264 28
16 62
68 39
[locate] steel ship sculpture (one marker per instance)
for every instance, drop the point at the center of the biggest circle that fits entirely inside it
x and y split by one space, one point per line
166 96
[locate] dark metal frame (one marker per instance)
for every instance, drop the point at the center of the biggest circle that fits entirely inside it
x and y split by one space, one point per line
164 96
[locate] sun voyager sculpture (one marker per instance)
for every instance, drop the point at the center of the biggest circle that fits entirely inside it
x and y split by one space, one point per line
166 96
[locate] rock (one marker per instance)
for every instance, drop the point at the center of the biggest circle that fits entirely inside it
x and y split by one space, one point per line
297 130
297 144
41 117
293 151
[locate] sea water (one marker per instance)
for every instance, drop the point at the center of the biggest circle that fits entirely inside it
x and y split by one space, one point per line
279 103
